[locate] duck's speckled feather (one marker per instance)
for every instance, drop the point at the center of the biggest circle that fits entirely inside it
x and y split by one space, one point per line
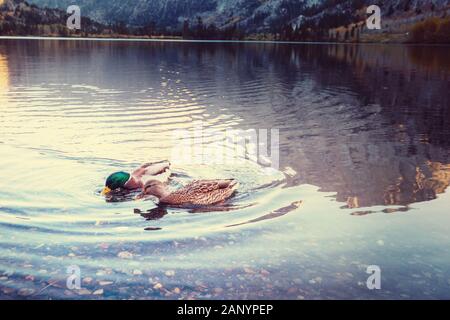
202 192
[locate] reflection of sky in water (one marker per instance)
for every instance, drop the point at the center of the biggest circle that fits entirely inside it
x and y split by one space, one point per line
362 165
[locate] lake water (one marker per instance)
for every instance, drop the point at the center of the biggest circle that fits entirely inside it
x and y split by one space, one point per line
364 152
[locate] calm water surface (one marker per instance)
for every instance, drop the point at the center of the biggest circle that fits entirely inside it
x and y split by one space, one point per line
364 170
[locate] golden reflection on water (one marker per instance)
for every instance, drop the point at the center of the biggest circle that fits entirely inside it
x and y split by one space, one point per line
4 76
439 180
395 57
425 186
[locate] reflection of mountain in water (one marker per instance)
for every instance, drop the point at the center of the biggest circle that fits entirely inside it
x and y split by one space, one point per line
430 180
374 124
371 122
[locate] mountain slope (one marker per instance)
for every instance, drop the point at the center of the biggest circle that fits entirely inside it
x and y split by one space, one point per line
254 14
296 20
19 18
249 15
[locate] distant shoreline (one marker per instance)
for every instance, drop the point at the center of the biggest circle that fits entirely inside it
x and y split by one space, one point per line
176 39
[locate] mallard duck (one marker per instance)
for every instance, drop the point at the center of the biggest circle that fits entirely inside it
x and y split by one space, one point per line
198 192
136 180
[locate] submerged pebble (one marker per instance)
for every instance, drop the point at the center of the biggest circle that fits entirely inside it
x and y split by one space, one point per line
170 273
25 292
157 286
98 292
218 290
176 290
125 255
7 290
87 280
83 292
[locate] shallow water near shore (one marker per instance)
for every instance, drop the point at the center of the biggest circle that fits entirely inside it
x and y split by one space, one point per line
363 177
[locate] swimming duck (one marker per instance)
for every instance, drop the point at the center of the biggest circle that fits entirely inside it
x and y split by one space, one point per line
198 192
137 179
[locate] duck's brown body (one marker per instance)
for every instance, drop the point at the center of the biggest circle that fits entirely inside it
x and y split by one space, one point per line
199 192
202 192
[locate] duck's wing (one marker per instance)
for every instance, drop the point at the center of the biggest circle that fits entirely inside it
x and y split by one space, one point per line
203 192
162 177
206 186
152 169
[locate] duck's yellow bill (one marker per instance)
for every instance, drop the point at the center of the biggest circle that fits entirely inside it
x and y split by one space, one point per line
106 190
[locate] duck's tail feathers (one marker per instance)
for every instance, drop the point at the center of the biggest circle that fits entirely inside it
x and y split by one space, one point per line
233 184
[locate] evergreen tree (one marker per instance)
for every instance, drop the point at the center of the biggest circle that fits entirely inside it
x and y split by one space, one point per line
186 32
200 28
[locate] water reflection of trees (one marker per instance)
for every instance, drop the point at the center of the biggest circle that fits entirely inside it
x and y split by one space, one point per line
410 86
371 122
389 107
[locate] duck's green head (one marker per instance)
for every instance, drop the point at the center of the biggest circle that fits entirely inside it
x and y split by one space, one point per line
115 181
